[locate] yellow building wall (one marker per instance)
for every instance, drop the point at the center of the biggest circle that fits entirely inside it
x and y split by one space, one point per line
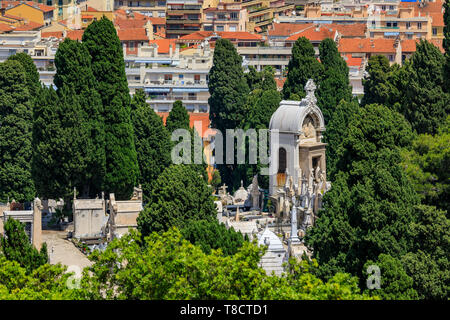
27 12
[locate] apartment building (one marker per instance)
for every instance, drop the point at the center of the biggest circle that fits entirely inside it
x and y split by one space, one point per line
262 12
28 11
150 8
225 17
183 17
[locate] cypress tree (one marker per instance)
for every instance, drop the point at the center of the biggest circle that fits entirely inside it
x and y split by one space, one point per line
73 64
178 117
424 103
108 67
16 246
47 140
152 142
31 73
15 133
335 84
227 86
302 66
371 203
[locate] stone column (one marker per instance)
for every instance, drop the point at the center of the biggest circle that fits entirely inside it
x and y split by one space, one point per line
37 223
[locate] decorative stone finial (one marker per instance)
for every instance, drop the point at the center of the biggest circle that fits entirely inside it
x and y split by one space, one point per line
310 87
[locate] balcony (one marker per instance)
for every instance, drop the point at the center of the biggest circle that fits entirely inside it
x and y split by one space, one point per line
182 21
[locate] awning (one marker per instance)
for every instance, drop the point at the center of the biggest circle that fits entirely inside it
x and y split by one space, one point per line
152 61
157 90
190 89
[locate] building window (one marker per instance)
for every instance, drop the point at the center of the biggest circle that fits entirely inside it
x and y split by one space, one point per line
434 31
419 25
50 2
408 25
161 14
197 78
383 8
391 57
232 28
131 45
282 160
168 78
192 96
219 28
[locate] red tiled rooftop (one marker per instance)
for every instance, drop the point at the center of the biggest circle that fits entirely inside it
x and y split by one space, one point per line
347 45
5 27
314 34
129 23
29 26
287 29
157 21
163 44
40 6
240 35
75 34
132 34
353 62
56 34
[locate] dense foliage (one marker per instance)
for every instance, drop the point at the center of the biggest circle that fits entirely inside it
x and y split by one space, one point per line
152 142
168 267
108 66
16 105
210 235
15 246
302 66
178 196
178 117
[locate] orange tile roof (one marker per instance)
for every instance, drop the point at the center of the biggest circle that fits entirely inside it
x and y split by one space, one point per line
353 62
39 6
348 45
239 35
349 30
437 20
314 34
5 27
198 35
196 119
280 82
86 16
163 44
10 16
156 21
56 34
31 25
75 34
129 23
287 29
132 34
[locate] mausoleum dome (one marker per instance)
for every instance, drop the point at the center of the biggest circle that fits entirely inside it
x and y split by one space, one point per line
290 115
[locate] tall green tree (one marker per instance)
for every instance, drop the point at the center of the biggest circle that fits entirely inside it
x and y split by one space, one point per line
228 90
371 202
227 86
74 75
152 142
424 103
108 66
377 87
335 84
178 196
335 133
426 163
48 138
302 67
32 75
16 246
178 117
15 133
